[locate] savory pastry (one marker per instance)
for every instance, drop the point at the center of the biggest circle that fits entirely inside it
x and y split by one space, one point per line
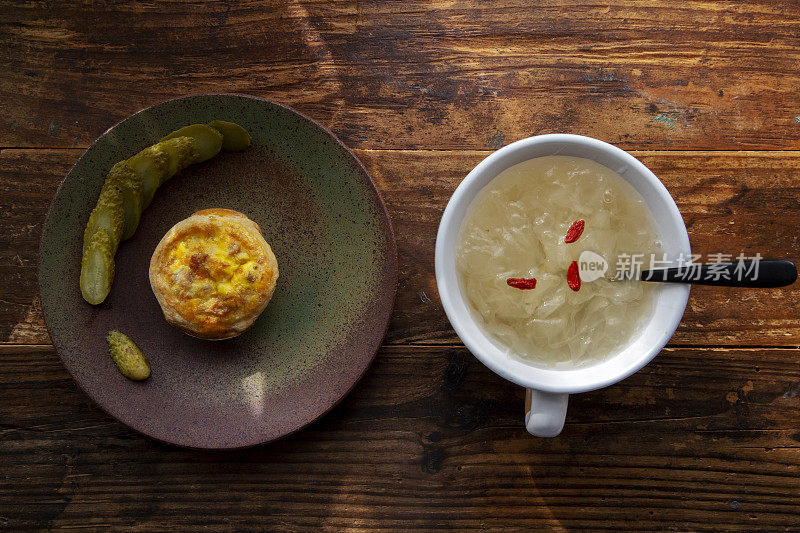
213 274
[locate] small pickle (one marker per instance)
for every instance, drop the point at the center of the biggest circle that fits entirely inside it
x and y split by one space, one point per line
130 186
97 267
209 140
152 165
129 359
234 137
107 214
182 152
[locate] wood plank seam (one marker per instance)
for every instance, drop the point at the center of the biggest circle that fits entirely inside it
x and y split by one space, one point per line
634 152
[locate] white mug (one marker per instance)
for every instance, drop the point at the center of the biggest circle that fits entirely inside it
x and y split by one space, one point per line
549 389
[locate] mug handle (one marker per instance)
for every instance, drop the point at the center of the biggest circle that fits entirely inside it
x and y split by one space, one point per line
545 412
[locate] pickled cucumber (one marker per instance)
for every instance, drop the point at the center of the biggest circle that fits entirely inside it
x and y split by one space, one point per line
234 137
129 359
182 152
209 140
152 165
97 267
130 186
108 214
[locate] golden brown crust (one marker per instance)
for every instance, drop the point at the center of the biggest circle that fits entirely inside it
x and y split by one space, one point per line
213 274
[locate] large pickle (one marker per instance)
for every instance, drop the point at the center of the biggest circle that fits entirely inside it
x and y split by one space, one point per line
152 165
130 187
182 152
209 140
97 267
108 214
234 137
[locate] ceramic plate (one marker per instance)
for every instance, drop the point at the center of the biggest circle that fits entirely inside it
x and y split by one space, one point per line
323 217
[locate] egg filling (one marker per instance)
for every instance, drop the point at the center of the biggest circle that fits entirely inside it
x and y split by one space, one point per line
215 273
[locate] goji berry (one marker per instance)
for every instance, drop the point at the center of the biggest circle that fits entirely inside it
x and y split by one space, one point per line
574 232
574 277
522 283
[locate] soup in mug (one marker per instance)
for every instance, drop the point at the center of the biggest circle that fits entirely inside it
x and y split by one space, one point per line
517 261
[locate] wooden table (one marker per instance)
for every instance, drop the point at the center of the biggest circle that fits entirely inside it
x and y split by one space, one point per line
707 94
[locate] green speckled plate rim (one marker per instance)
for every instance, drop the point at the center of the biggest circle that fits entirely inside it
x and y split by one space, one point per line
391 257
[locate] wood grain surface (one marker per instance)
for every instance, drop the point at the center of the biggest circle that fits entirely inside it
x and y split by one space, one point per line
441 74
430 438
706 437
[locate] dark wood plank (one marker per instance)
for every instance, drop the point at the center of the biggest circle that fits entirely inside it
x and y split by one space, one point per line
429 438
732 202
28 182
466 75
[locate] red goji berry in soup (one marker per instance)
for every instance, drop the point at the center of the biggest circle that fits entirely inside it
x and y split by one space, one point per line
574 277
575 231
522 283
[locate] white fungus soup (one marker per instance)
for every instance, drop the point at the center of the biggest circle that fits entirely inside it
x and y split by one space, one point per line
517 261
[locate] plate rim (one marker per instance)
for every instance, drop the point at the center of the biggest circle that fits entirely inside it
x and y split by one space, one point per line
391 255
